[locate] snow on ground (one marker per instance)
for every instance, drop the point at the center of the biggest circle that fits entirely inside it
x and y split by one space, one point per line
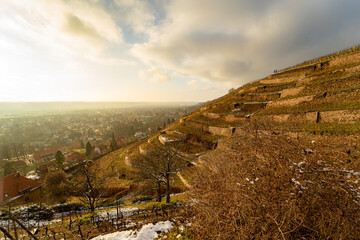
30 224
147 232
126 212
168 140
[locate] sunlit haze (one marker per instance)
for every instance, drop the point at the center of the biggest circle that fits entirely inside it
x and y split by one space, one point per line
160 50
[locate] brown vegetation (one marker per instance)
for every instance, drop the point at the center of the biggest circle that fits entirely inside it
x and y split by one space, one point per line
267 186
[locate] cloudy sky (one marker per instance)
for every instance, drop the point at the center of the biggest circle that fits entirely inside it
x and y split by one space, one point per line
160 50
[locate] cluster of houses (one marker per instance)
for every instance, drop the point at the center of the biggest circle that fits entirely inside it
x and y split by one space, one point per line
16 189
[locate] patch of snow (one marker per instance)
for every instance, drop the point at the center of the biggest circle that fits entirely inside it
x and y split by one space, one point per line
199 154
248 180
147 232
33 177
309 151
165 139
301 164
296 182
31 223
126 212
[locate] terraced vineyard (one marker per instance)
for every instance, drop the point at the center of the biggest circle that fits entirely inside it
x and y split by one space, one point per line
321 96
297 127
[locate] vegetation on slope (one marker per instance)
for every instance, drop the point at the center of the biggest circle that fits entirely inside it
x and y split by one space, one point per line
265 186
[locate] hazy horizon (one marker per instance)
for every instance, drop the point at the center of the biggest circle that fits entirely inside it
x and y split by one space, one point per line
8 109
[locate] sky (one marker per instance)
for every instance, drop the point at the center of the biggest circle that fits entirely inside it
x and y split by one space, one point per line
160 50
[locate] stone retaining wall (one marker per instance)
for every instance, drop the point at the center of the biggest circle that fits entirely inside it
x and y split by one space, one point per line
353 69
305 81
354 58
232 118
291 92
182 120
310 117
290 102
142 150
128 162
261 96
211 115
282 80
340 116
222 131
199 126
161 140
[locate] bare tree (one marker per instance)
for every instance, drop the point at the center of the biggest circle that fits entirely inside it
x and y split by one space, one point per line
159 163
89 183
59 160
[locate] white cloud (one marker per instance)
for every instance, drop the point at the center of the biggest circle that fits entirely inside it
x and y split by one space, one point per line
73 26
237 41
221 44
137 14
155 75
193 83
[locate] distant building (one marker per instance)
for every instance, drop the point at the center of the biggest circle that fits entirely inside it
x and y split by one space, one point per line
74 157
140 135
120 141
47 167
19 189
45 155
101 149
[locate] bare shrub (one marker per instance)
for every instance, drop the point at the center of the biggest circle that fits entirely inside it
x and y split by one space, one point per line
57 186
262 185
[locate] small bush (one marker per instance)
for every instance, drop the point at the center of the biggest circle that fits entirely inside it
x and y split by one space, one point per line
33 212
68 207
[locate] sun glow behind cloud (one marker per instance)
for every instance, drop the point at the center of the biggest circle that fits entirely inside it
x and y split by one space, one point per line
158 50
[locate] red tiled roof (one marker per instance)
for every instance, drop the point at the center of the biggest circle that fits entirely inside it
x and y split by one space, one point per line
13 185
43 154
46 166
75 156
121 140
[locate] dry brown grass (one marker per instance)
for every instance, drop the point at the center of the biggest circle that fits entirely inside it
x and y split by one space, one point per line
268 186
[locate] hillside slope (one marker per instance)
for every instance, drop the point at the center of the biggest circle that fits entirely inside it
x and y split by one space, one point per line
281 152
318 96
316 101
